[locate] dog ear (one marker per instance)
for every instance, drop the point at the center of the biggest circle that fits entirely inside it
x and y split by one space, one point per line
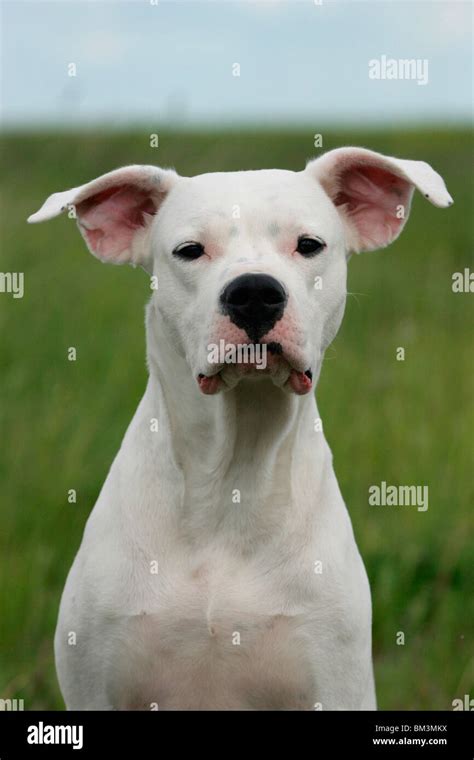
373 192
114 211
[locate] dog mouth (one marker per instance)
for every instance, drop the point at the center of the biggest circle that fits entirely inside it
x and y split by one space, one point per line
301 382
276 365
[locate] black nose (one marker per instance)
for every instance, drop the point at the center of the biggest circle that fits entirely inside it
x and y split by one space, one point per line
254 302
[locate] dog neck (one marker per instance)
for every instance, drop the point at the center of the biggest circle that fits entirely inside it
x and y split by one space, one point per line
241 453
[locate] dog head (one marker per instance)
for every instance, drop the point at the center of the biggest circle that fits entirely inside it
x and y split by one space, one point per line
251 265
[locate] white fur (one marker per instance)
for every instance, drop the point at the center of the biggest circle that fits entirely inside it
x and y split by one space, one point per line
225 570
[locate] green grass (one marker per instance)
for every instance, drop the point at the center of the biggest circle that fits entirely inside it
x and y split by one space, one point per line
405 422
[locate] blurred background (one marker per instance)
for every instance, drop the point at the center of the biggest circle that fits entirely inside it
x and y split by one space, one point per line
239 85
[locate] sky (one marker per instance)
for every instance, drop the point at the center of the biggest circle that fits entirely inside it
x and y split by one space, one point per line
176 62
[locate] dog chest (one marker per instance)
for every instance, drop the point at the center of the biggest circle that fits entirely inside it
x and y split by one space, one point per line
214 635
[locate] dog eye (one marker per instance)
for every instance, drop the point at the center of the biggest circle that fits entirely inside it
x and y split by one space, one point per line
189 250
308 246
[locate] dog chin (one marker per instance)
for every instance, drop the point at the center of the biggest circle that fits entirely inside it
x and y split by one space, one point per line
281 374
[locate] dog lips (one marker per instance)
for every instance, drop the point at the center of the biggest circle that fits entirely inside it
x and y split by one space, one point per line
299 382
208 385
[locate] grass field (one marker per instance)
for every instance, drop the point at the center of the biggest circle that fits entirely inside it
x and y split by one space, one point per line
405 422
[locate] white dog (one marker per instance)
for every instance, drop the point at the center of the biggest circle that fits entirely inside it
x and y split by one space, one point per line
218 569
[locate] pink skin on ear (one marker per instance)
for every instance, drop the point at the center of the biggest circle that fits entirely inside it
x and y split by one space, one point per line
110 219
376 202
